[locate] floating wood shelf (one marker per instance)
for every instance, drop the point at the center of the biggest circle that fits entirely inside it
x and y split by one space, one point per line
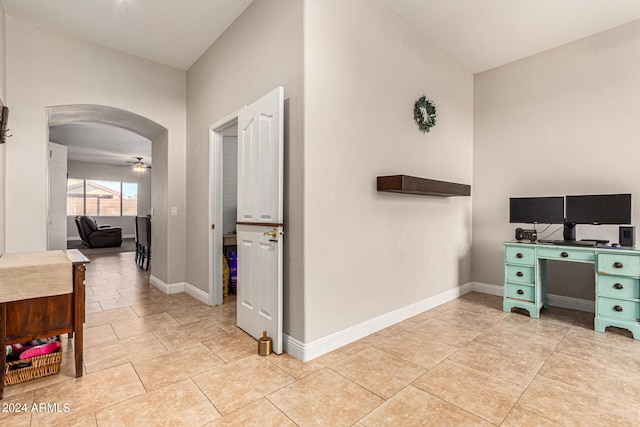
421 186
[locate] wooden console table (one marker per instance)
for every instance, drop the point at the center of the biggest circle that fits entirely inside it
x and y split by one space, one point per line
51 311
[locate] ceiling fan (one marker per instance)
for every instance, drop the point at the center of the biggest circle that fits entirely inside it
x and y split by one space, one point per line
138 165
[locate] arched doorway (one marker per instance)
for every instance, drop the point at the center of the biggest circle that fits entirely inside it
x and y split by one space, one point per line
158 135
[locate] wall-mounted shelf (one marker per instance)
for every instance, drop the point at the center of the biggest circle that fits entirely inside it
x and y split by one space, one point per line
421 186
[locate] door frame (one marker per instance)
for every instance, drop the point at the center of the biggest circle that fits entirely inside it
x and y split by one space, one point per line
216 131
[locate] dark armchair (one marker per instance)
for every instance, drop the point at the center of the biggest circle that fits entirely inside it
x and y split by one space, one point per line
97 236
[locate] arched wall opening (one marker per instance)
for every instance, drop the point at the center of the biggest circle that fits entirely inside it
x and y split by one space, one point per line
158 135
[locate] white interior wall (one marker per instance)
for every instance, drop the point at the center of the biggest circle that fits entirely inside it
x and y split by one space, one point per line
229 183
369 253
87 170
560 122
57 183
47 68
260 51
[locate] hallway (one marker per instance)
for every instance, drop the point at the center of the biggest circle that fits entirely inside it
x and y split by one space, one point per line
153 359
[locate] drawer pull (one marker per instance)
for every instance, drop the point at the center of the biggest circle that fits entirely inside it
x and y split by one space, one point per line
519 274
617 308
618 286
564 255
518 255
520 292
617 264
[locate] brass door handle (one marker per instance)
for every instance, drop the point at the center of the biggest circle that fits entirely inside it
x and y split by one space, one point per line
273 233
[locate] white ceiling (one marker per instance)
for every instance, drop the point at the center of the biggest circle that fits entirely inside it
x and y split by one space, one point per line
98 143
480 34
175 33
484 34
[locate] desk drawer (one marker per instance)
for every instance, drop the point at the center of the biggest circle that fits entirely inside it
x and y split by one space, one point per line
566 254
618 286
517 255
521 292
618 309
621 265
520 274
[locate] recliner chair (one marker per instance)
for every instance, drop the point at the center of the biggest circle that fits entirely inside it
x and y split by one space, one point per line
97 236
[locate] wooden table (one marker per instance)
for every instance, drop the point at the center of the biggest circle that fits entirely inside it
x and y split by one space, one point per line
45 316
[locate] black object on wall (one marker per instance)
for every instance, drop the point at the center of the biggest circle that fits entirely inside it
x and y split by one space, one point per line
627 235
4 120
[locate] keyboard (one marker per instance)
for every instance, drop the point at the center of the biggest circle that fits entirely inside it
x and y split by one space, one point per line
589 244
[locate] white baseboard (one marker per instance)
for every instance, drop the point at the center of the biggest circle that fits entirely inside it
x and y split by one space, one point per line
307 351
486 288
554 300
197 293
167 288
176 288
573 303
124 236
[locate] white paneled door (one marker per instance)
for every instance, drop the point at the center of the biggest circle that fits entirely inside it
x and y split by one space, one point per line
259 226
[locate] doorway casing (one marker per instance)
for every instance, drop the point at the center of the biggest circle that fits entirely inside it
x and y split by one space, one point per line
216 139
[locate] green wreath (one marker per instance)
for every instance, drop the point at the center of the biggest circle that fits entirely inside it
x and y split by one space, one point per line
424 113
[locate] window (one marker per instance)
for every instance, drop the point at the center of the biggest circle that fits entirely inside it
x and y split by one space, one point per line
101 198
129 199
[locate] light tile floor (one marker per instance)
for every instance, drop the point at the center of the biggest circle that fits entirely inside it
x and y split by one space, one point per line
153 359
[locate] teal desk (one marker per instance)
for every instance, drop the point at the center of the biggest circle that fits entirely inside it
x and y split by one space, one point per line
617 280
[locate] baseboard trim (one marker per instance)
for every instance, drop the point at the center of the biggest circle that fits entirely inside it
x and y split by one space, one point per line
311 350
554 300
77 239
167 288
573 303
176 288
486 288
197 293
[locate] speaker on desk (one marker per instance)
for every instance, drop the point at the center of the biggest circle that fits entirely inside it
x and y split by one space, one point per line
627 235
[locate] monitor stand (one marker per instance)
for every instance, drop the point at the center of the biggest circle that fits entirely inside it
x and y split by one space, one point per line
569 234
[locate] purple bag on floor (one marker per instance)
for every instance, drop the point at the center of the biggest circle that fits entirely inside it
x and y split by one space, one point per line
233 271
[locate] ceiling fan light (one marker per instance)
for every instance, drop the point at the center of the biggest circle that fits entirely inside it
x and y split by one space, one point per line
139 168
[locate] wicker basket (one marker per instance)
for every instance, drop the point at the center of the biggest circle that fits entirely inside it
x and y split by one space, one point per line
41 366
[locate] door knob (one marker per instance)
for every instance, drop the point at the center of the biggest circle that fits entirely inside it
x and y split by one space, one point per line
273 233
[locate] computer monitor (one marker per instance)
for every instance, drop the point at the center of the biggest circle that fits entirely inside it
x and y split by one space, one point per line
599 209
536 210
